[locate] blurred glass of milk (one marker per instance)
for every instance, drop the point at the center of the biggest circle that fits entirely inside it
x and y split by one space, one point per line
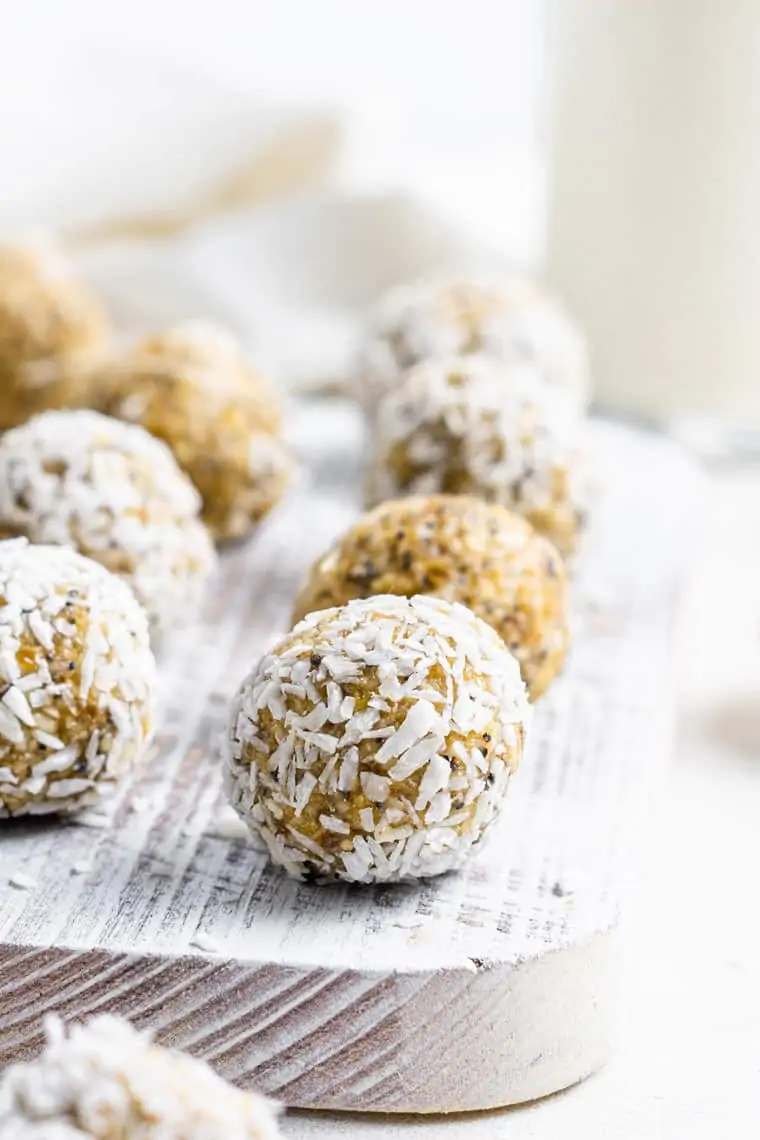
654 234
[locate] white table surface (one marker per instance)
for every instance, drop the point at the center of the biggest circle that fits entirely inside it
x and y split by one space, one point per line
688 1065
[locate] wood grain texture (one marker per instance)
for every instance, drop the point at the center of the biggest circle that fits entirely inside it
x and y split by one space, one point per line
471 991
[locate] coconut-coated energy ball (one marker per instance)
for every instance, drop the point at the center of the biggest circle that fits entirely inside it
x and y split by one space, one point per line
191 387
377 739
105 1081
77 678
458 427
464 550
52 333
508 318
115 493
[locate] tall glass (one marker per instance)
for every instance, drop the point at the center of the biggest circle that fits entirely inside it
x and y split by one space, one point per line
654 232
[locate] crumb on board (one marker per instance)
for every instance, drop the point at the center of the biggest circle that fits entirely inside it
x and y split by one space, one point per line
22 881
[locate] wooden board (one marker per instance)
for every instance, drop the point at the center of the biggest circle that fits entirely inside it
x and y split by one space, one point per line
484 988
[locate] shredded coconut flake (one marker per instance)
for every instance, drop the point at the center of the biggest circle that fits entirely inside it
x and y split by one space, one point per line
108 488
107 628
105 1075
297 788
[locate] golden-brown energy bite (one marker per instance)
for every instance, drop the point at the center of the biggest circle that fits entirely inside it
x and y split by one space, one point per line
459 426
376 740
508 318
52 333
115 493
464 550
77 679
191 387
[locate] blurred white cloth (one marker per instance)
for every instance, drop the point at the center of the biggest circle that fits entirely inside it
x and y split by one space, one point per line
113 141
291 280
180 197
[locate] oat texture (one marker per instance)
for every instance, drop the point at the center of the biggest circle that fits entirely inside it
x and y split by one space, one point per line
464 550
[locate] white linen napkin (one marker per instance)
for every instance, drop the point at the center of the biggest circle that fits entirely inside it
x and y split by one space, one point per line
180 197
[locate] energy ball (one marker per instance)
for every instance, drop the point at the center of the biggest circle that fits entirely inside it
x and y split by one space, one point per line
106 1081
77 678
375 742
52 333
210 348
510 319
115 493
191 387
458 427
463 550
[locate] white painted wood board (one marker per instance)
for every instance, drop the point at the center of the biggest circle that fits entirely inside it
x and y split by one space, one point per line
480 989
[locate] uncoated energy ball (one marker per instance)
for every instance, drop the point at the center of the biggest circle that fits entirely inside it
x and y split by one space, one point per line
191 387
116 494
52 332
464 550
508 318
106 1081
77 680
463 427
376 740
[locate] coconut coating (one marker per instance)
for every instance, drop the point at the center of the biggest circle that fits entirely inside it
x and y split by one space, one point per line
376 740
77 678
464 550
456 427
105 1081
52 333
116 494
191 387
508 318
